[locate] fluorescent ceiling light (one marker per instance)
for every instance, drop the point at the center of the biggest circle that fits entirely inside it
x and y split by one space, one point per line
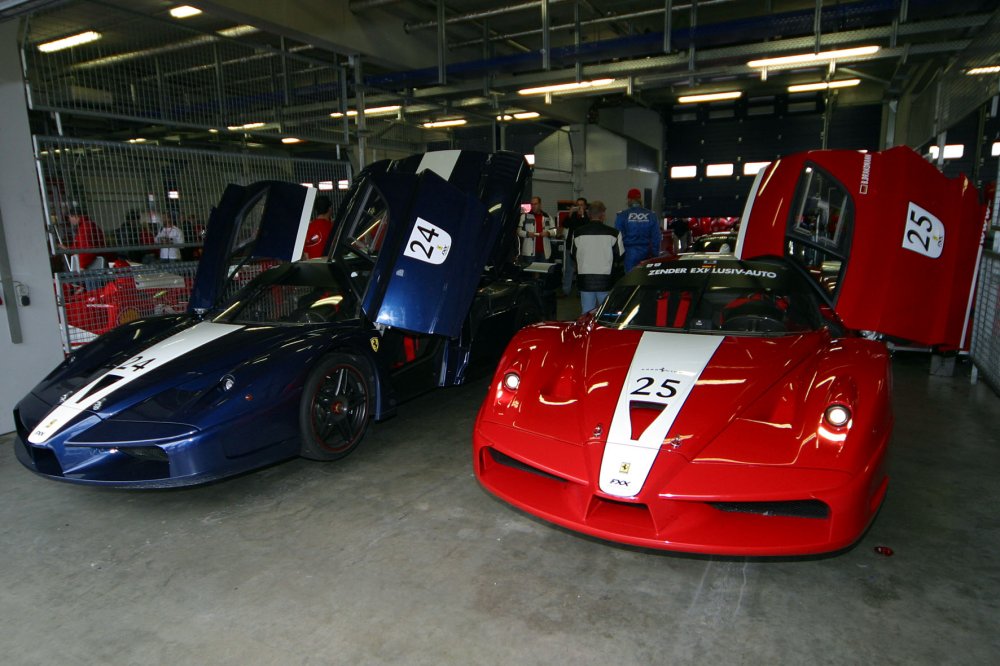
808 58
454 122
689 171
246 126
566 87
522 115
991 69
184 11
139 140
952 151
373 111
823 85
237 31
291 139
995 150
325 185
343 184
530 159
751 168
709 97
718 170
69 42
307 185
173 194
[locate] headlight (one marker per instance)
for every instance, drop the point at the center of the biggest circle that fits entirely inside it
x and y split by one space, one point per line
837 415
511 381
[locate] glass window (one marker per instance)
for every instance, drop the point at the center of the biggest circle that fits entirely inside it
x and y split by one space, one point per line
731 304
370 225
820 227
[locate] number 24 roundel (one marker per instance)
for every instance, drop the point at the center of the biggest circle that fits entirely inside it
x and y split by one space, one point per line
428 243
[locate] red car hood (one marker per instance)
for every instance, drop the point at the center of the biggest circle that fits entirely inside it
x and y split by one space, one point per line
603 387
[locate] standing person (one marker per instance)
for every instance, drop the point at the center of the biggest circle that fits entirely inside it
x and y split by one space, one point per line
681 230
535 230
640 229
319 228
86 234
170 237
577 218
596 248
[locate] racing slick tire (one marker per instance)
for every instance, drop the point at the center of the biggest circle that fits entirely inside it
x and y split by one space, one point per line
336 407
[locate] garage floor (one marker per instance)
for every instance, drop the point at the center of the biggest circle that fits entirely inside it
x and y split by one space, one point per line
395 555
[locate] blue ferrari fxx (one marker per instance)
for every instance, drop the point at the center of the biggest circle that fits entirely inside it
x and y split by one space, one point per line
278 358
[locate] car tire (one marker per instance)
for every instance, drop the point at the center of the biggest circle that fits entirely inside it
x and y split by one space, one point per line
336 407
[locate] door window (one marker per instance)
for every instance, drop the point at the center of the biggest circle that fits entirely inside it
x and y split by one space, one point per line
819 231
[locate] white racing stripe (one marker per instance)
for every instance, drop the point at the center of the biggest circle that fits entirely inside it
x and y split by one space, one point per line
162 352
441 162
664 369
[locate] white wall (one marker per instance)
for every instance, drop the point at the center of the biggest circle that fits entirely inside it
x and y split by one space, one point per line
22 364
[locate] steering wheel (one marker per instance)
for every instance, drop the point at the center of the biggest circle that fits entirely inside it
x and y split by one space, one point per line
755 323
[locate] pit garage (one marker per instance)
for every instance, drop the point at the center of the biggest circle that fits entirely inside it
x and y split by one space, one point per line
153 149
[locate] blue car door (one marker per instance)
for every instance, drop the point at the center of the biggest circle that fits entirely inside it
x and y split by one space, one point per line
426 238
266 220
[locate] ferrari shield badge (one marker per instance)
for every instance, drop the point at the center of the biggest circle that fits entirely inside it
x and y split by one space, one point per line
374 342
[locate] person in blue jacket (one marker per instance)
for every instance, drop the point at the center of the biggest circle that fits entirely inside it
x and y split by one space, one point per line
640 229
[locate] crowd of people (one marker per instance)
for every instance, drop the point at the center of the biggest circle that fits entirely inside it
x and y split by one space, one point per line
594 250
142 237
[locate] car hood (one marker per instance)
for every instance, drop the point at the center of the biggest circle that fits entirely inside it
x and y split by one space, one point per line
190 363
641 388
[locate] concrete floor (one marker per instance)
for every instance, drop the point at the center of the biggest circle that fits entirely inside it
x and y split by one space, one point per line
396 556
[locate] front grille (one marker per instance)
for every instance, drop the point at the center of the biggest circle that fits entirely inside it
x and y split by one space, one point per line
153 453
790 509
507 461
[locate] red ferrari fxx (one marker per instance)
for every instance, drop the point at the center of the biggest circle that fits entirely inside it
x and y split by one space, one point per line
739 406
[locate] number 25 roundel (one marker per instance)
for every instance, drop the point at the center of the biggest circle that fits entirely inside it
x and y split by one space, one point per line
924 233
428 243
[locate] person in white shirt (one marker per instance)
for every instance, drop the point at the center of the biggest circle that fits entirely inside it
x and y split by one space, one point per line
171 238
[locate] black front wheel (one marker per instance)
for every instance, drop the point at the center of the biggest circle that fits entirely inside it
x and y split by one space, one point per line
335 407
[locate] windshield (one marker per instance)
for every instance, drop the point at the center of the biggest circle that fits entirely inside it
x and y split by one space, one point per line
296 295
732 298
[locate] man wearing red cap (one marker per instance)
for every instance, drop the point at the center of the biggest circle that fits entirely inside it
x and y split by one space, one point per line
640 229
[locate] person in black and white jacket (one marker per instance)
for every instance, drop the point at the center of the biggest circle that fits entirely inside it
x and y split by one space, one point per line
535 230
596 248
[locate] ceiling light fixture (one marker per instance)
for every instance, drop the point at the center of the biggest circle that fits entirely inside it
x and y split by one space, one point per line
69 42
184 11
373 111
237 31
990 69
566 87
709 97
823 85
809 58
454 122
521 115
291 139
245 126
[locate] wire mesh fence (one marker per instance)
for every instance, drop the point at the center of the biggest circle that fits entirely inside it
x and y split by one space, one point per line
93 302
986 321
237 80
132 192
143 65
